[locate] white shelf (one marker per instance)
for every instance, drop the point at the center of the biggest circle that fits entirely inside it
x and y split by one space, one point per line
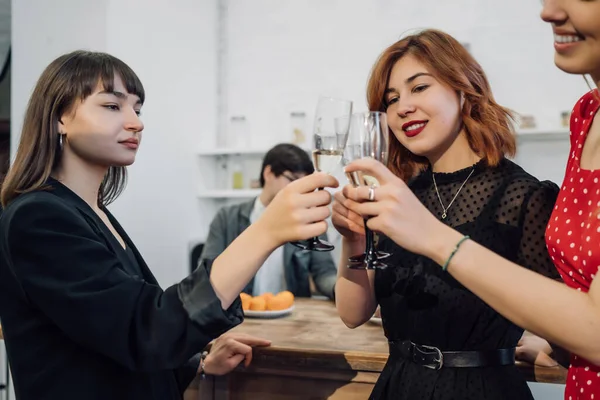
229 194
538 134
224 151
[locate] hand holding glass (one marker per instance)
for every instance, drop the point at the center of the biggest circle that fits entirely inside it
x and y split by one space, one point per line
329 142
368 136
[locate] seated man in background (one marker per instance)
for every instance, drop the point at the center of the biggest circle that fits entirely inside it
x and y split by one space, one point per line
288 267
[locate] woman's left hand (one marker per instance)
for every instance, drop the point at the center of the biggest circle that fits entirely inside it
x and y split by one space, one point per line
535 350
229 350
395 211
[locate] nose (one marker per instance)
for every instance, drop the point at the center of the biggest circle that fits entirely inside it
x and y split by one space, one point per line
553 12
404 106
133 123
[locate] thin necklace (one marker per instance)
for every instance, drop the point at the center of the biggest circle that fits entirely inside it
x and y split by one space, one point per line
445 213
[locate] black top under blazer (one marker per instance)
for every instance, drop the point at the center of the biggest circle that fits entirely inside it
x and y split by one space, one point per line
82 321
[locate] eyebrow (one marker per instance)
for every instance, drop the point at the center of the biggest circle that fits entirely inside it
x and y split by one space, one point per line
119 95
408 80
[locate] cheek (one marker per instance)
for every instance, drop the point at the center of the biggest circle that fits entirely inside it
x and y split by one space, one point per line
446 112
394 125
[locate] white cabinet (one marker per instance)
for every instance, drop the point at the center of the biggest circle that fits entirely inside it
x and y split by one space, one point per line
543 153
230 173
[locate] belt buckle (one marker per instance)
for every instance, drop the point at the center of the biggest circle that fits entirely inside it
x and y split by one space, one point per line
428 350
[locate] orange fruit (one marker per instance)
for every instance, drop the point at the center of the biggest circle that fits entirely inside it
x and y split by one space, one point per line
258 304
246 299
281 301
267 296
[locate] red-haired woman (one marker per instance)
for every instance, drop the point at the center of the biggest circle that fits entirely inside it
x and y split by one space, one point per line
449 141
568 315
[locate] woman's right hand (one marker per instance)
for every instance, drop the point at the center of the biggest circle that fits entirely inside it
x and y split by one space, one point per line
298 211
348 223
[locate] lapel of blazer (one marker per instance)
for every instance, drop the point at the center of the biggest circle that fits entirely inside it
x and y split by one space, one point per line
101 229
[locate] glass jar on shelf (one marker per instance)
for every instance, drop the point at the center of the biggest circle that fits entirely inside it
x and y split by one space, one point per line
298 128
237 176
222 172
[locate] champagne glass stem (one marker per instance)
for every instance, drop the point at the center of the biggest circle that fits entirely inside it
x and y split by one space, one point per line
370 244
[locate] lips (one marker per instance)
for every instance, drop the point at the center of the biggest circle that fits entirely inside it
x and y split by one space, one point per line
413 128
131 143
565 40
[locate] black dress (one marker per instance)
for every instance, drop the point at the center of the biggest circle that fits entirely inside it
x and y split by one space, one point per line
502 208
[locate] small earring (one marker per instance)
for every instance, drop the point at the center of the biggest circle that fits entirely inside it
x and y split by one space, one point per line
60 140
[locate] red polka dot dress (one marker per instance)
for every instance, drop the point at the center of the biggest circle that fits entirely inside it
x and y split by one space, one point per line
573 234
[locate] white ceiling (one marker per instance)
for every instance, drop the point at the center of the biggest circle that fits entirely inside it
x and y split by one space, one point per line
4 29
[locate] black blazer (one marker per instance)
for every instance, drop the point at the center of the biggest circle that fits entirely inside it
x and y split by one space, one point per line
79 323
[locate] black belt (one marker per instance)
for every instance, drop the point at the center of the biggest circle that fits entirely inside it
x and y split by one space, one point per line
434 358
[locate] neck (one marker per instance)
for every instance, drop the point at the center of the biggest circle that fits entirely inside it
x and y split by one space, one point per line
81 177
456 157
265 198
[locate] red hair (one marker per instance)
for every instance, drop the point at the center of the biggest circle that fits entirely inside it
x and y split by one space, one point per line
488 125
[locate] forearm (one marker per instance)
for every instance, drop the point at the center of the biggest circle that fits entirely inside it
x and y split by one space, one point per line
564 316
239 262
354 293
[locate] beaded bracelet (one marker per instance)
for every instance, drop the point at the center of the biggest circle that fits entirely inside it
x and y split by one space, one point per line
203 365
454 251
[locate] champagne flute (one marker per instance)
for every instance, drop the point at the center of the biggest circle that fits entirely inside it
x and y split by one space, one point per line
368 136
329 142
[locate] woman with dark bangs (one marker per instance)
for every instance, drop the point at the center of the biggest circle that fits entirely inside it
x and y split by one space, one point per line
449 140
82 315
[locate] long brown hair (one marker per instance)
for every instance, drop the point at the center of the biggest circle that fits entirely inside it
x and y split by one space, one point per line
488 125
70 78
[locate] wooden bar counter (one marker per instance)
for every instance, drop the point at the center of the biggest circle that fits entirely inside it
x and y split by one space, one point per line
315 356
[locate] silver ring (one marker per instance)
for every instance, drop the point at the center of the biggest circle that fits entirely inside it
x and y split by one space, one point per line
371 194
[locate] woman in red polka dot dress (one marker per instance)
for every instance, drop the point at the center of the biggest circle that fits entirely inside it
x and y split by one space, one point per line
568 315
573 233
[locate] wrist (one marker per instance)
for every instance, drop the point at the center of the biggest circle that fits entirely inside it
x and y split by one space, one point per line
202 370
264 236
354 241
354 245
444 241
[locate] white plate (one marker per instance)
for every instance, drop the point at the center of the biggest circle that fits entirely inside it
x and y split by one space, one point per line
268 314
376 320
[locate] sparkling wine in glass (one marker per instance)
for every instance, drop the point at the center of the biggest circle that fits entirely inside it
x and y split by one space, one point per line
329 142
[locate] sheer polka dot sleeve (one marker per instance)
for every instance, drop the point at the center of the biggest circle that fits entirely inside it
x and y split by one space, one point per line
536 212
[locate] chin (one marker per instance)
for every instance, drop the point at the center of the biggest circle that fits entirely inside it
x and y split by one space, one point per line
574 65
123 162
419 149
